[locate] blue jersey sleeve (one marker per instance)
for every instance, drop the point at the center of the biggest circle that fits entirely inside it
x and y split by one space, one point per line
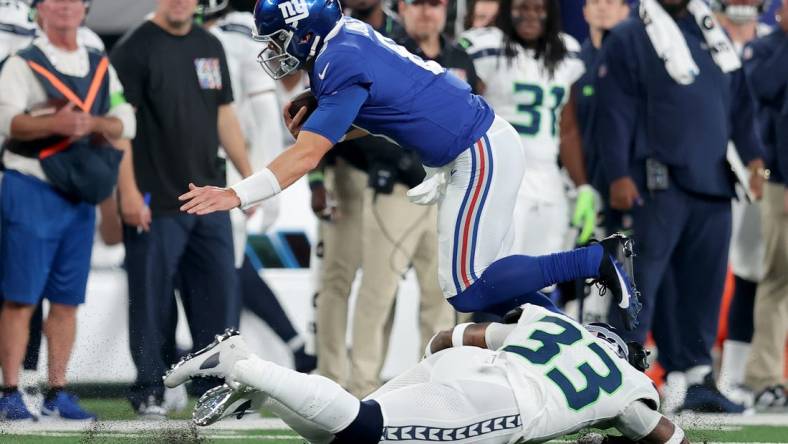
617 110
335 71
335 113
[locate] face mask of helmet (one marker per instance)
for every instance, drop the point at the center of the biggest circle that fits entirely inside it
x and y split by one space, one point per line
274 58
612 340
209 9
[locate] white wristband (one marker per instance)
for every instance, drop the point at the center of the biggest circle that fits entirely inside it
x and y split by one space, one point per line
496 334
257 188
458 333
678 436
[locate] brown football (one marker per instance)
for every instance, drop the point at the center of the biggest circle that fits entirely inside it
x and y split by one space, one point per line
303 99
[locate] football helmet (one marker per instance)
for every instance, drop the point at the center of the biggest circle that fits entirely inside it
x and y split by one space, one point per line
293 31
632 351
208 9
741 11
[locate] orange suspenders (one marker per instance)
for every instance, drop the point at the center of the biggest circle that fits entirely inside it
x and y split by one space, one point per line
85 105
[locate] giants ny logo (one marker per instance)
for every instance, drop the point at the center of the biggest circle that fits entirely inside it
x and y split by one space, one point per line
293 11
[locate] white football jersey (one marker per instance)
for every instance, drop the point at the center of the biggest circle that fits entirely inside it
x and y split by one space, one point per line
564 378
263 133
234 30
522 91
16 29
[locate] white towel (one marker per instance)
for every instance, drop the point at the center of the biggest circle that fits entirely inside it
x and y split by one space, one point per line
671 46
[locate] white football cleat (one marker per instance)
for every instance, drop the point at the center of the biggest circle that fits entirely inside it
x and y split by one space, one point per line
215 360
222 402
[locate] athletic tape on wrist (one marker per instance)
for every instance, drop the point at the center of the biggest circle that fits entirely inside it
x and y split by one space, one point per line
457 334
257 188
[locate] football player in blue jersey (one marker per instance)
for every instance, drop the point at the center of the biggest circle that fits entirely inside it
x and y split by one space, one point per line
473 158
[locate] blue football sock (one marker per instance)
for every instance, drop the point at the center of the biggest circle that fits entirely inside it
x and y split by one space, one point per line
516 280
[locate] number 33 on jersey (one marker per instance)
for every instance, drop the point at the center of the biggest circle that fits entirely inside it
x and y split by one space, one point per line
564 376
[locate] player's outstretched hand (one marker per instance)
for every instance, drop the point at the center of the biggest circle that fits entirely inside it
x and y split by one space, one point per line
206 200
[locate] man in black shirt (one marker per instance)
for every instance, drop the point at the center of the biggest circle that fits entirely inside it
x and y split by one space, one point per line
176 77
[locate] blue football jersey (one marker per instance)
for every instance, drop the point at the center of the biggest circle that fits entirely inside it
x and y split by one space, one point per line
418 104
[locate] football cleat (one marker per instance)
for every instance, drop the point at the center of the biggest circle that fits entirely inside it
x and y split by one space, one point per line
222 401
706 398
152 408
215 360
615 275
772 399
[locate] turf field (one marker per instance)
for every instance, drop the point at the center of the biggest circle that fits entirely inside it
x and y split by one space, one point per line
119 424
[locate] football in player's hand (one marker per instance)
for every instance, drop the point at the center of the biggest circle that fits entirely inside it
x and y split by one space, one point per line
303 99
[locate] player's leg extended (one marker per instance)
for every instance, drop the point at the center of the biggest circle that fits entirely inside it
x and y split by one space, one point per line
475 220
315 406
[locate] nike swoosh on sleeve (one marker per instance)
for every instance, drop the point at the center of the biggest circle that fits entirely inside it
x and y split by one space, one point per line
322 75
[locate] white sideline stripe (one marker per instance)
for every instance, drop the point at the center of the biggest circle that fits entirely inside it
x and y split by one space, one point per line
228 425
719 421
569 441
231 428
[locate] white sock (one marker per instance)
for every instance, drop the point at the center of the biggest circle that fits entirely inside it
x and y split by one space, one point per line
675 390
305 428
697 374
734 364
314 398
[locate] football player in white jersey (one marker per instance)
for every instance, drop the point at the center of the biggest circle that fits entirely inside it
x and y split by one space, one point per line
255 95
544 377
16 28
528 67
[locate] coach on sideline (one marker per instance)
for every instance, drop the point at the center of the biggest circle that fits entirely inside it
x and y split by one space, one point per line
176 75
58 166
667 108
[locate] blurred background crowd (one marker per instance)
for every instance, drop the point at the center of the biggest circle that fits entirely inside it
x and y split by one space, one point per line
688 156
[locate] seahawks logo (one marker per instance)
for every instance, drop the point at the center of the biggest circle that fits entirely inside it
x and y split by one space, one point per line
294 11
